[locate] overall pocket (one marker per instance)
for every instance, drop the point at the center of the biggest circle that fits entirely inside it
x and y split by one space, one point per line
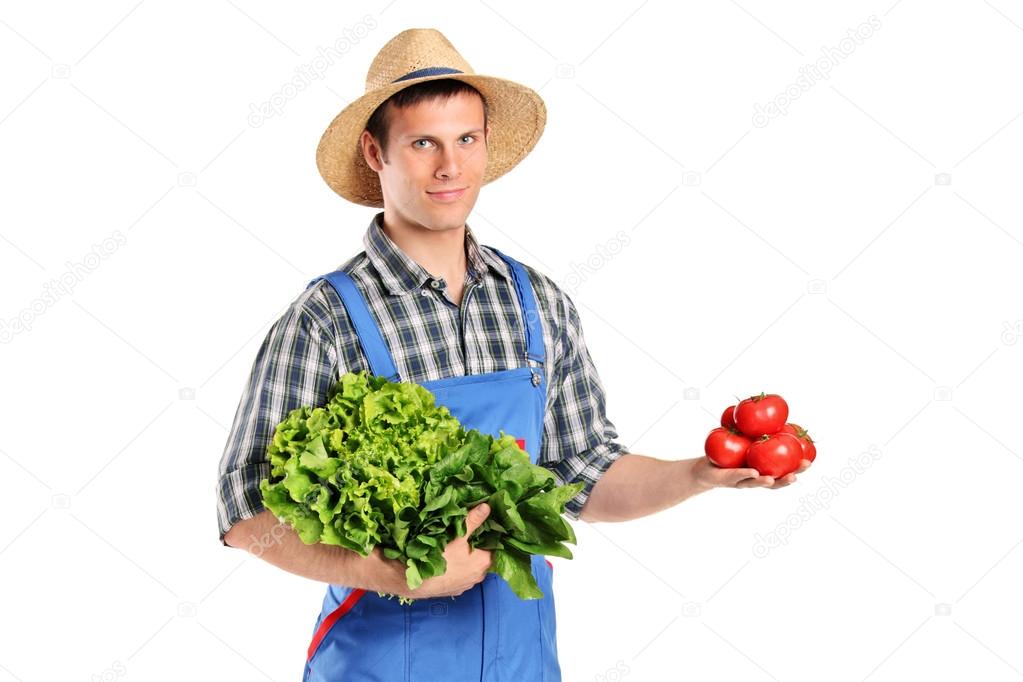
445 638
363 638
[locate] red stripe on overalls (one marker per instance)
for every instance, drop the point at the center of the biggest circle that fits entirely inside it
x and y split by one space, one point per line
328 622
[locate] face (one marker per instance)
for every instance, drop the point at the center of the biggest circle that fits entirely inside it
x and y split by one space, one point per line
433 147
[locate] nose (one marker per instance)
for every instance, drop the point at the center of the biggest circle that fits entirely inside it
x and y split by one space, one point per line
449 166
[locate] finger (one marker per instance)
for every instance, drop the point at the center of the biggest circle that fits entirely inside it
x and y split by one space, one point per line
756 482
739 475
787 479
803 466
477 515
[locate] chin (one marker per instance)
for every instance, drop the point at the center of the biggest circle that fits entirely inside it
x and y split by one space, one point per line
452 223
448 214
441 221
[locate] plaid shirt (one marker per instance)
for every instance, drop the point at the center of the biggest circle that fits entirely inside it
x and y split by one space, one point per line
313 343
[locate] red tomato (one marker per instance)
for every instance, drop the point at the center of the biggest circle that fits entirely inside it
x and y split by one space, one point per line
775 454
761 414
809 449
727 420
726 448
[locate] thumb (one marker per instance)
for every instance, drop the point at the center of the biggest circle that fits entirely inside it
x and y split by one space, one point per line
477 515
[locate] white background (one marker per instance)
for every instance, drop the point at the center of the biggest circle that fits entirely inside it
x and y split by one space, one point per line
859 254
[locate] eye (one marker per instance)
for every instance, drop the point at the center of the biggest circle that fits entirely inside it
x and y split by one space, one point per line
468 137
418 141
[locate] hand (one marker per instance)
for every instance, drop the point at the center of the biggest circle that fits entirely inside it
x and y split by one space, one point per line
466 566
708 475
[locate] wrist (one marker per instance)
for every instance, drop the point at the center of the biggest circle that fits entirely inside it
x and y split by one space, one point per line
698 483
380 574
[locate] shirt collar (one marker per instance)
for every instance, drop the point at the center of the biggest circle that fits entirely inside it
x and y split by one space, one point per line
401 274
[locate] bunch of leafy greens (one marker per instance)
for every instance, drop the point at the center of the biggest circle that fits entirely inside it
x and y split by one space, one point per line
382 465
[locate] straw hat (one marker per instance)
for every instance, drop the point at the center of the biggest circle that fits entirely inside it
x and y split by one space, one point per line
516 113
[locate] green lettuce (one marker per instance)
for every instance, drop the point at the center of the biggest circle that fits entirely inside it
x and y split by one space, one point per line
382 465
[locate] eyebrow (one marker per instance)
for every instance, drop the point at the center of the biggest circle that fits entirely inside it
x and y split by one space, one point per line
431 137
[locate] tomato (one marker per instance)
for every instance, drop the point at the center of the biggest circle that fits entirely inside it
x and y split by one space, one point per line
726 448
775 454
809 449
761 414
727 420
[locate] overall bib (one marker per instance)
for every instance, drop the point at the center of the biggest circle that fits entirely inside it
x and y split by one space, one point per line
485 634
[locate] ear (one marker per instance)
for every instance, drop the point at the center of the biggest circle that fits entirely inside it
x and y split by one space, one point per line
370 151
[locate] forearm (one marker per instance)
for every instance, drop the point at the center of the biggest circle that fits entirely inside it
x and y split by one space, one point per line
636 485
277 543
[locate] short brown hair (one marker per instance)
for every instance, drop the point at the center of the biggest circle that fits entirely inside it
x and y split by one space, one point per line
378 124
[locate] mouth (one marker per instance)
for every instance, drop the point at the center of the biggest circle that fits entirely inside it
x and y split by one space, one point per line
447 195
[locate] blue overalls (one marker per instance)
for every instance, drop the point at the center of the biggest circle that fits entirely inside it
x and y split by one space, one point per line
485 634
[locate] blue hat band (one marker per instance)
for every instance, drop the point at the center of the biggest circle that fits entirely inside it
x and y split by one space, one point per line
428 71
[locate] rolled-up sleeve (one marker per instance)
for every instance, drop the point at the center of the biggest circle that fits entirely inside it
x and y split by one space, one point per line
296 365
579 440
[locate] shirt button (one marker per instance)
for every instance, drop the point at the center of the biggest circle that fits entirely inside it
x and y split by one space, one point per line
425 292
435 283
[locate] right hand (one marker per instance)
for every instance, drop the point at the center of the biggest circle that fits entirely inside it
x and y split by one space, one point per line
466 566
707 475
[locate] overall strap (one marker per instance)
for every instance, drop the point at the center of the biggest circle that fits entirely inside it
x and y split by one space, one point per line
530 314
380 361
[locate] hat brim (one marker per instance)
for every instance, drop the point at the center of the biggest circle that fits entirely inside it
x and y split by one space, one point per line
516 114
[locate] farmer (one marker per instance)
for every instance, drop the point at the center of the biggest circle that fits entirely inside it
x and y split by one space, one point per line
495 340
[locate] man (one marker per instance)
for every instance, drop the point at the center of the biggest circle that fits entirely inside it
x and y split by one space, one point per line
425 302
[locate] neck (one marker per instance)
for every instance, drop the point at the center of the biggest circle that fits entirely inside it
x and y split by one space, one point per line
440 252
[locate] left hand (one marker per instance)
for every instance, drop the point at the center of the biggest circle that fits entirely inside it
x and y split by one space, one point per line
709 475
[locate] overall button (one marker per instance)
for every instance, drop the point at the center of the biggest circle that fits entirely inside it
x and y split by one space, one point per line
536 379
